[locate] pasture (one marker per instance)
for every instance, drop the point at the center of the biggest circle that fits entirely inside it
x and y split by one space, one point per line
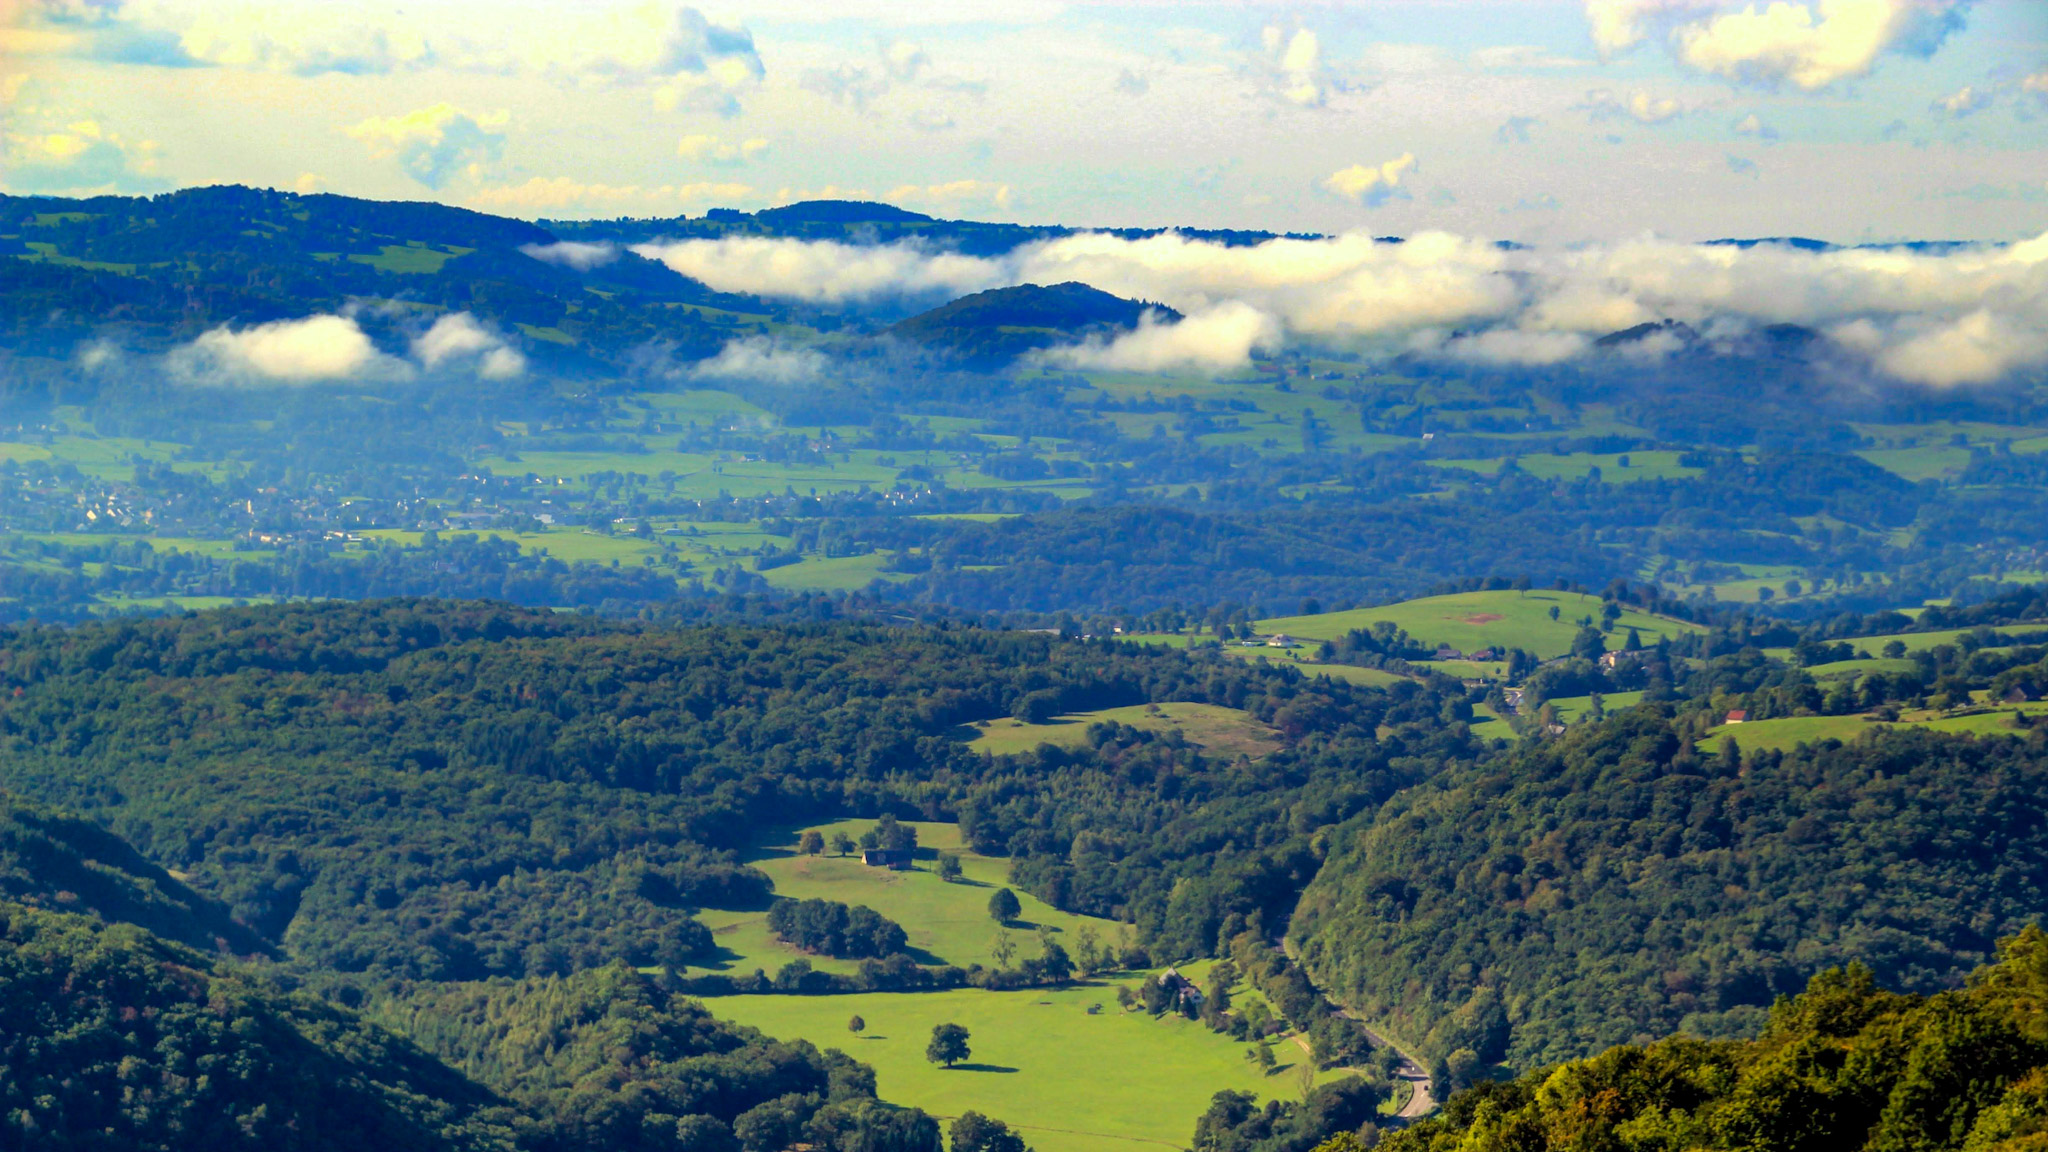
1071 1081
1222 731
1469 621
1789 732
948 923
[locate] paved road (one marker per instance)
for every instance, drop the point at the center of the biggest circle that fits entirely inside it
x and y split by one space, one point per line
1420 1102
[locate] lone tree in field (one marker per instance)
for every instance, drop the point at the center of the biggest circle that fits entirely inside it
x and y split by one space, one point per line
1003 906
949 866
856 1025
948 1046
811 843
842 843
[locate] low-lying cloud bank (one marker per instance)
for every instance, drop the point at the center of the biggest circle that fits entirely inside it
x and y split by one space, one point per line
1942 318
326 348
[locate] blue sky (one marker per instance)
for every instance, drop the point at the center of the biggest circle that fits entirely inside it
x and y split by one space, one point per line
1547 122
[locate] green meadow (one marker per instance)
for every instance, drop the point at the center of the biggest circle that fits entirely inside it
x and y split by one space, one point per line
1073 1082
948 923
1473 620
1789 732
1223 731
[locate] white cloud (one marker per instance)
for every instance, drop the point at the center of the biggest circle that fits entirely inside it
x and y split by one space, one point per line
683 59
1810 45
1216 339
824 270
761 360
705 149
1289 66
1961 102
1602 104
572 254
1967 315
433 143
77 157
306 351
1370 184
458 340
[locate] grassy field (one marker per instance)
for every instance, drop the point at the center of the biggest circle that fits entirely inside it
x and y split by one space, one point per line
1570 708
1224 731
1473 620
1792 731
947 923
1073 1082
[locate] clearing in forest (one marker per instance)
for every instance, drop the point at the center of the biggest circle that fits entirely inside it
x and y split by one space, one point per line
1218 730
1470 621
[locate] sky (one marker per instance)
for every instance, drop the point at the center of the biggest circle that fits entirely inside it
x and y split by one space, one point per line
1541 121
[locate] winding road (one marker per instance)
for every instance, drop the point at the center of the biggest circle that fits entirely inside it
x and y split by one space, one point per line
1420 1102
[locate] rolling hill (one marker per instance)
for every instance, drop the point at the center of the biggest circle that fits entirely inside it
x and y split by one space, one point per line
992 328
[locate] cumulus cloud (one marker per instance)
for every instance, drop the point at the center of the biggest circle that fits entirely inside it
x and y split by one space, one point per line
1961 102
1602 104
325 348
1963 316
1290 67
458 341
683 59
824 270
433 143
80 156
757 359
307 351
1809 45
572 254
1216 339
1370 184
705 149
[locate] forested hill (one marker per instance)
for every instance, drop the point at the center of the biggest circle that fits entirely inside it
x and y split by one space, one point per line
110 1038
444 791
60 863
1846 1065
995 327
161 270
1617 884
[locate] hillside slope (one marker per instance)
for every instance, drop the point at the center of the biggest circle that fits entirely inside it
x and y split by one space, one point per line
1614 884
60 863
1845 1065
992 328
113 1039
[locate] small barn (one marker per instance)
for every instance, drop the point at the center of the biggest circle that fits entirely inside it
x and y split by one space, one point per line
894 859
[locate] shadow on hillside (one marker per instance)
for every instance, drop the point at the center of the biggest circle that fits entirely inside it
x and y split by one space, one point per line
980 1068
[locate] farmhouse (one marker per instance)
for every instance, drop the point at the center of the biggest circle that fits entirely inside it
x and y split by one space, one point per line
1738 716
1280 640
894 859
1182 989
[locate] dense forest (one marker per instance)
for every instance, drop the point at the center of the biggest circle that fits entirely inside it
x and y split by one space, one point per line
1617 884
461 791
1844 1064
